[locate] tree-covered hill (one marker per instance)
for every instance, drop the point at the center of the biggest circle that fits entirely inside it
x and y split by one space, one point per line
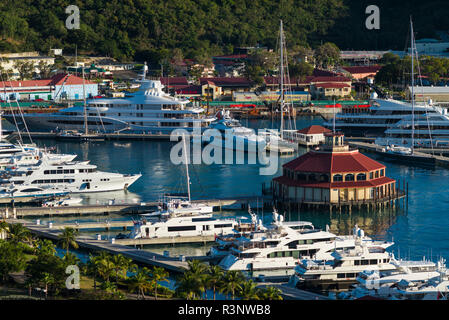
151 29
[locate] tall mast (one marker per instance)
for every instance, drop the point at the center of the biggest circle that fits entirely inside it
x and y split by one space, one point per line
413 82
85 107
187 166
282 79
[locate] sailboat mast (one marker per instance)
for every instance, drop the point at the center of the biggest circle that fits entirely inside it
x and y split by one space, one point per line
413 82
187 166
85 107
282 79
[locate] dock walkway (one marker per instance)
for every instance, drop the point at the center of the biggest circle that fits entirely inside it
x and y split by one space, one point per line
145 257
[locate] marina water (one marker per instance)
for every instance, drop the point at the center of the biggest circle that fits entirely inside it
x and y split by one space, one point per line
418 229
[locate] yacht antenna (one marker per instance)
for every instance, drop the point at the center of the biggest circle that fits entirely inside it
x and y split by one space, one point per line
413 83
187 165
85 107
282 81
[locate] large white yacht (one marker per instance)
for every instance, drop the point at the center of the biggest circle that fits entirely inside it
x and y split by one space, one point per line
182 226
424 131
281 247
382 114
342 269
410 280
76 177
149 110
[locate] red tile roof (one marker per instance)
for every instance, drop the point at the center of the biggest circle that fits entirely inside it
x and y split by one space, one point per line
335 162
331 85
174 81
190 89
362 69
314 129
276 81
56 80
227 81
331 79
334 185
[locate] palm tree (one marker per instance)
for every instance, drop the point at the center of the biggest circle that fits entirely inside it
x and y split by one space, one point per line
105 267
18 233
197 267
232 282
214 278
122 264
140 282
71 259
270 293
249 291
188 286
158 274
47 279
67 238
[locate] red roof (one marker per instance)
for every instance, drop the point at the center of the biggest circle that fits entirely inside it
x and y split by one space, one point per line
333 162
331 79
225 81
56 80
362 69
336 85
314 129
178 81
334 185
276 81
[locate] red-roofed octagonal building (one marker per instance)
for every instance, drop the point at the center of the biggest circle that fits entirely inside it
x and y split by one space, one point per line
334 175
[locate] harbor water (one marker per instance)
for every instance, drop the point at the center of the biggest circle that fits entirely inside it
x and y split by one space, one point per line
418 229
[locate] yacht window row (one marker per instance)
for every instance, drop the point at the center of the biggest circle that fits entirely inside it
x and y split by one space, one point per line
292 253
53 181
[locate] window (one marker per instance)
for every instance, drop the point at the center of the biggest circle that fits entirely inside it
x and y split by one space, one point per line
338 177
341 275
370 175
361 177
312 177
324 178
377 174
382 172
349 177
373 261
225 225
182 228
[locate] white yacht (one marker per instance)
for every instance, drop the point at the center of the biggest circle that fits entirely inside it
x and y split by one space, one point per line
179 206
342 269
149 110
76 177
430 131
235 136
13 192
382 114
405 282
64 202
281 247
182 226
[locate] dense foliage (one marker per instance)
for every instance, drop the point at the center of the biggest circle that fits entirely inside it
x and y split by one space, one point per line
151 29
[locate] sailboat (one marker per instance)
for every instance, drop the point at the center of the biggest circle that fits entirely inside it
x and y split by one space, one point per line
282 138
180 205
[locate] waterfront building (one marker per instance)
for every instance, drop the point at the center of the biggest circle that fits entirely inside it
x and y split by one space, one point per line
328 87
438 94
312 135
60 87
366 73
334 175
10 62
